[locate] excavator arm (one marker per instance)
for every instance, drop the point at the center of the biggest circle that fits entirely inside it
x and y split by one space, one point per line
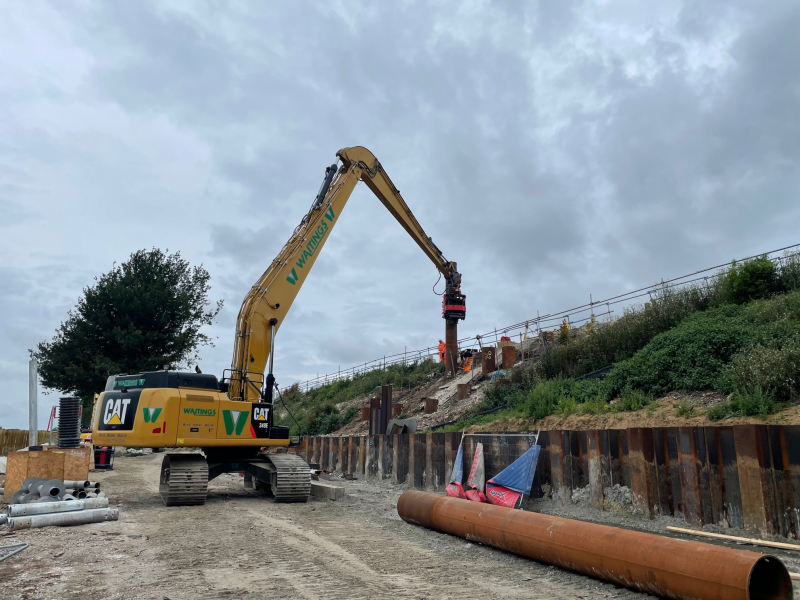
269 300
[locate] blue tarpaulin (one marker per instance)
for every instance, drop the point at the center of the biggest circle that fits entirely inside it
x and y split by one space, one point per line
518 476
458 466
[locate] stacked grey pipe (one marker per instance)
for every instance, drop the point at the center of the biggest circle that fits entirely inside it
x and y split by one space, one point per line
45 502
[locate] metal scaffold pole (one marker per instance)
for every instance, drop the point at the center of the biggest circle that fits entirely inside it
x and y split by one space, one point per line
33 401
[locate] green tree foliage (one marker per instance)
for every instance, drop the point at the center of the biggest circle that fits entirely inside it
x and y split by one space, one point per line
143 314
750 280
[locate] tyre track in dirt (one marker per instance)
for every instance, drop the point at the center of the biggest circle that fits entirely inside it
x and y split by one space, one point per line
244 546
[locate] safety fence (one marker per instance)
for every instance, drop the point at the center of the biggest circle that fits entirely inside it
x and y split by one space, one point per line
574 316
743 476
14 439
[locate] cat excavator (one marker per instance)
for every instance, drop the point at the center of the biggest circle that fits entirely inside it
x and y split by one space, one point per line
230 420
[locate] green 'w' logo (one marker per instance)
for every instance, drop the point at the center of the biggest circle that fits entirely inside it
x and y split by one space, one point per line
234 420
292 278
151 414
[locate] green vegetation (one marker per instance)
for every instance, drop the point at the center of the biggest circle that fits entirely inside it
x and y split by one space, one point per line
737 333
727 349
685 410
744 404
146 312
755 279
316 411
733 335
479 420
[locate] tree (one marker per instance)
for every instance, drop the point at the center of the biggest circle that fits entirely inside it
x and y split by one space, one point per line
751 280
143 314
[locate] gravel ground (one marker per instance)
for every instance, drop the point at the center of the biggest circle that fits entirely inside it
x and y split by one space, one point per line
244 546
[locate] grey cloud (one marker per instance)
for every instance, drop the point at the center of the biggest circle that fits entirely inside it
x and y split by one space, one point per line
553 149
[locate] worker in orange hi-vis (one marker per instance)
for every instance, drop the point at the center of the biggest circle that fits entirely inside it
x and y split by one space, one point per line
467 362
441 351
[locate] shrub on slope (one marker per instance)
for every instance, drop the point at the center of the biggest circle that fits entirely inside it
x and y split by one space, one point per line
725 349
606 344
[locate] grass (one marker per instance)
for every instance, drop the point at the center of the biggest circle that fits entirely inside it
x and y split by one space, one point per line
685 410
480 420
746 404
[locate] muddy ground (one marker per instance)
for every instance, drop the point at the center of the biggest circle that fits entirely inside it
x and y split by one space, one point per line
243 546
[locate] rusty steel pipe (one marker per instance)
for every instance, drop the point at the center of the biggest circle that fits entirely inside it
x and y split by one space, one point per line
640 561
450 348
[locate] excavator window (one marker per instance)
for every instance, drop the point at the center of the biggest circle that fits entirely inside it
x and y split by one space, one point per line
162 379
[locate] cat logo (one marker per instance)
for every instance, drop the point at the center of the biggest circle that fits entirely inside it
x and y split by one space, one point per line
259 419
116 410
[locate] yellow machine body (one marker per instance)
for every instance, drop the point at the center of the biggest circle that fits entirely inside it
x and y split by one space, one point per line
174 417
166 415
230 420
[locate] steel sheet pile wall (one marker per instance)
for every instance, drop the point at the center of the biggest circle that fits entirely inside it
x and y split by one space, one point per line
742 476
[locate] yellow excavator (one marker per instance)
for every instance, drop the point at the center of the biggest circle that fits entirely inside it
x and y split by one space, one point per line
231 420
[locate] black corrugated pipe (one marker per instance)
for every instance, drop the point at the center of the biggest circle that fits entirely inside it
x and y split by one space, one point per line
69 422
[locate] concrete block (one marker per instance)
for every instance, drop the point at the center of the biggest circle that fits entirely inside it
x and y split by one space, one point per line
320 489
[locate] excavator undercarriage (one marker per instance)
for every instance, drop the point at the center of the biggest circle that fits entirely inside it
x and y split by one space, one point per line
185 477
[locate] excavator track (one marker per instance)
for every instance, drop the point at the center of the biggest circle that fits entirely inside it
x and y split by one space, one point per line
291 481
184 479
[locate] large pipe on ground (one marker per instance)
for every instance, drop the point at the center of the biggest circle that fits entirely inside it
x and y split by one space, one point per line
22 510
80 517
640 561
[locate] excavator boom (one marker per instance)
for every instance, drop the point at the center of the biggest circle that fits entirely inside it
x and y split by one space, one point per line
269 300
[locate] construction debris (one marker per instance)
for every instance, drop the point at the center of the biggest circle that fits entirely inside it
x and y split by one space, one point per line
397 426
737 539
92 515
11 550
46 502
329 491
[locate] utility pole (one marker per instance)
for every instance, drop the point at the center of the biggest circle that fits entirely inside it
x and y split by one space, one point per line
33 401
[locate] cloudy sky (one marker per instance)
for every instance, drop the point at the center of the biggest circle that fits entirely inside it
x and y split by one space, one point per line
553 149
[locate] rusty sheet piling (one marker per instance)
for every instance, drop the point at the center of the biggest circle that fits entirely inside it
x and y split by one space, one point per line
451 348
640 561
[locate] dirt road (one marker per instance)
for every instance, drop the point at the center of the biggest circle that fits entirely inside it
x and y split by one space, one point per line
242 546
